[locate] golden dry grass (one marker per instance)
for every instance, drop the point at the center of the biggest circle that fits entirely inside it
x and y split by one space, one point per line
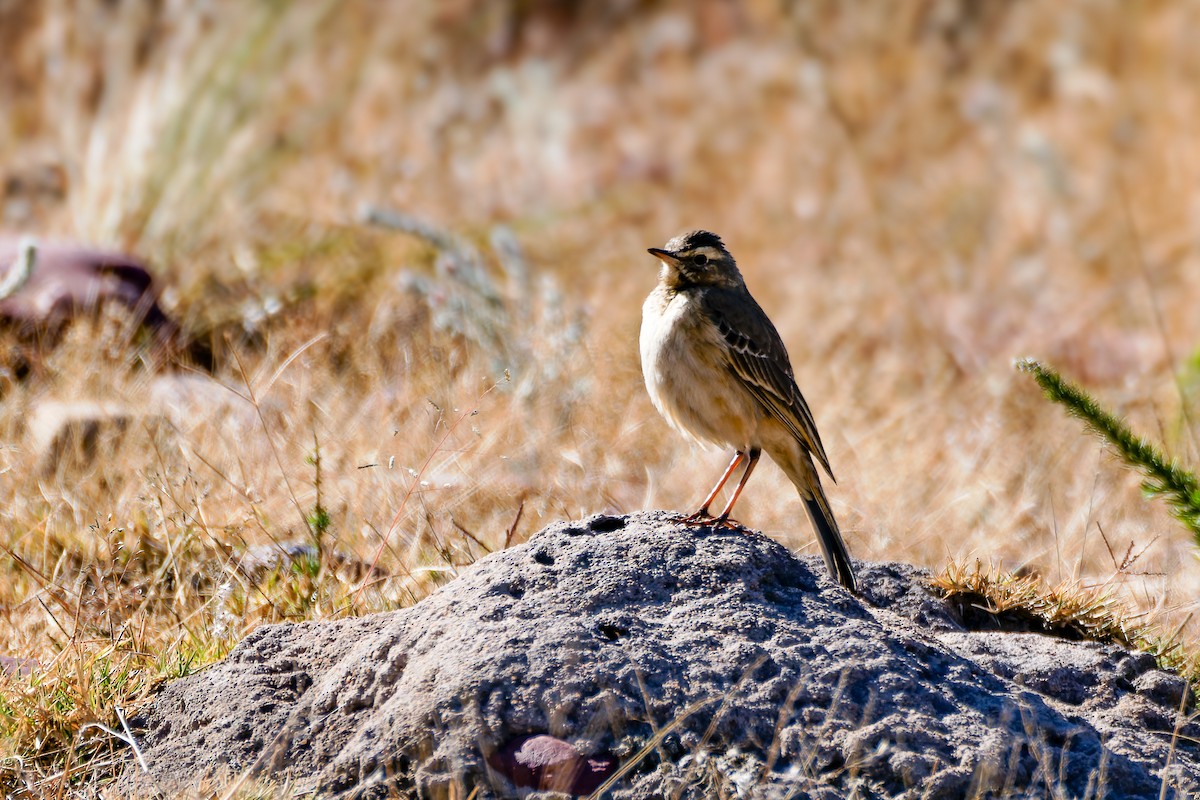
917 193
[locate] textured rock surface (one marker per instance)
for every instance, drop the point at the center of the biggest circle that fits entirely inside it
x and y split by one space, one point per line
770 678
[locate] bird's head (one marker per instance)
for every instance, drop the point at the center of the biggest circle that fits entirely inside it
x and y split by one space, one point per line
696 259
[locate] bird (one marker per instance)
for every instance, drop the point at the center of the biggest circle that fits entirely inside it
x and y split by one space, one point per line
718 371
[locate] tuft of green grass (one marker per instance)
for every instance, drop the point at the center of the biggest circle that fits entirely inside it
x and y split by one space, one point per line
1163 476
318 519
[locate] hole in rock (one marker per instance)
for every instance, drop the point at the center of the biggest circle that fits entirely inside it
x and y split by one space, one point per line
613 632
607 524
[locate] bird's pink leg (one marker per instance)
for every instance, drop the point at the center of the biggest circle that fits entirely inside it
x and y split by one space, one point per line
724 519
702 516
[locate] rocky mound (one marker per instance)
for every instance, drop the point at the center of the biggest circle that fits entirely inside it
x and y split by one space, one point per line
674 661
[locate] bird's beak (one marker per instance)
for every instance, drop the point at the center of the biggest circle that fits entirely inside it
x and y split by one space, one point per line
665 255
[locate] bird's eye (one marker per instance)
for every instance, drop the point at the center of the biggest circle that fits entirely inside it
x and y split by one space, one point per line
700 259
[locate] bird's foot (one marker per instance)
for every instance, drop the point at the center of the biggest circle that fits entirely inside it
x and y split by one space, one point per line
701 517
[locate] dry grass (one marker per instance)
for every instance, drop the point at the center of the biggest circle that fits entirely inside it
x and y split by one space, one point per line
917 193
992 598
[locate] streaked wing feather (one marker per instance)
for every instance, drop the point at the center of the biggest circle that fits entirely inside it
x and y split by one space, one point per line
758 358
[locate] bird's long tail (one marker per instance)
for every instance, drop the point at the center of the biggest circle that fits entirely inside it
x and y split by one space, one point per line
837 557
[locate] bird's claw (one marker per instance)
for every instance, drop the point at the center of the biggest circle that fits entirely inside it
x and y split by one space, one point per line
703 519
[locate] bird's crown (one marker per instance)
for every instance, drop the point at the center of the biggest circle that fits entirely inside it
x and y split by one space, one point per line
695 239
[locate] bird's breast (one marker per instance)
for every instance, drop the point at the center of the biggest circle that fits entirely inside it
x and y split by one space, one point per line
687 376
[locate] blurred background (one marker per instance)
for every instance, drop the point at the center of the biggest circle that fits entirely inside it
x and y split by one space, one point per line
404 245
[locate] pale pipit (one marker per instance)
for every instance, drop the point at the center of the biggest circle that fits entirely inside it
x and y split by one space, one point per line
716 368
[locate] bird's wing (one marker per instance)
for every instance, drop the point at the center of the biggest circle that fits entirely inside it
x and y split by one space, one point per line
757 357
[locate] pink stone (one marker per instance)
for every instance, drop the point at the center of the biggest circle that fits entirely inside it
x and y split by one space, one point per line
546 762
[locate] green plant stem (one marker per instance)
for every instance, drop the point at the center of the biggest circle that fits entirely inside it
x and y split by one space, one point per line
1163 476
